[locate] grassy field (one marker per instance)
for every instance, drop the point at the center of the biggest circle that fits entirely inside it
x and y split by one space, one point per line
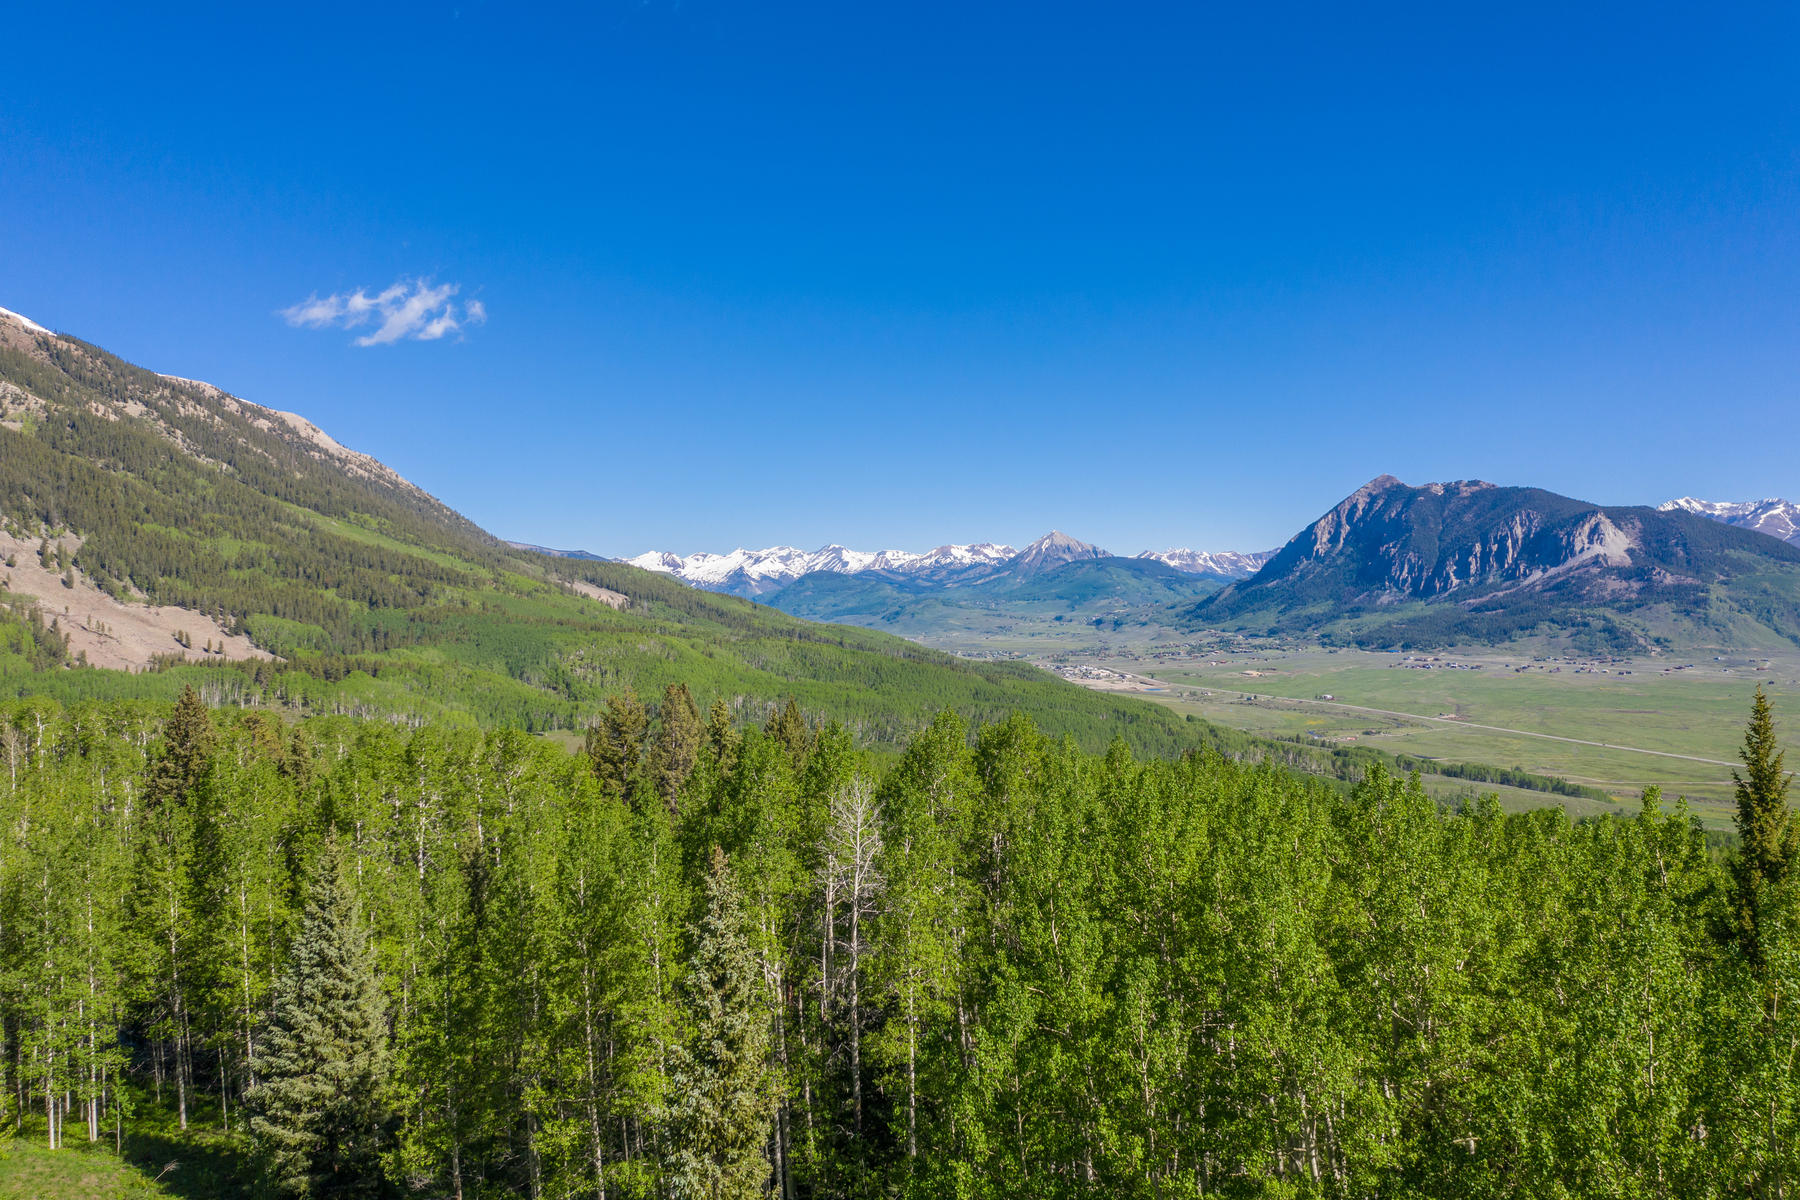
1612 723
1617 724
160 1160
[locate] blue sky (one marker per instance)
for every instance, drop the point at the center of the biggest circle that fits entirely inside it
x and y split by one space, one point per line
894 275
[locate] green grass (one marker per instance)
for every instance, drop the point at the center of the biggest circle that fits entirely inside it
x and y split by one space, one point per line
1698 712
159 1160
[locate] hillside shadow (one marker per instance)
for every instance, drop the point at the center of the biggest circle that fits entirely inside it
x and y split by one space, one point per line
195 1165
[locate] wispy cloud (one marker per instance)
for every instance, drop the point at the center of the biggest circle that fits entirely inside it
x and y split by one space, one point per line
415 309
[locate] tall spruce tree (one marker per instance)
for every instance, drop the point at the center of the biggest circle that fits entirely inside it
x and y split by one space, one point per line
318 1114
187 747
725 1089
677 744
1769 838
722 737
788 727
615 743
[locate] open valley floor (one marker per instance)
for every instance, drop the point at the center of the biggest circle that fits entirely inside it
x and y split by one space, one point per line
1620 724
1615 723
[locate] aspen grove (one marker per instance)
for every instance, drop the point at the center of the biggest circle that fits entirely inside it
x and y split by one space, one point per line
710 956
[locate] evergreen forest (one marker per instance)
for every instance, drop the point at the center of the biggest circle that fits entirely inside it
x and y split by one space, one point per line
708 958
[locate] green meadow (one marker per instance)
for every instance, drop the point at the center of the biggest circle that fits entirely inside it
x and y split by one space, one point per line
1534 712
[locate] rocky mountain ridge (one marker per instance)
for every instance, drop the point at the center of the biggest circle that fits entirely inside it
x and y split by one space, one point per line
1493 562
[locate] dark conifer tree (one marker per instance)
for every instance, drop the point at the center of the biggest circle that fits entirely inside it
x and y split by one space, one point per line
615 742
725 1088
186 749
1768 835
677 745
318 1114
722 737
788 727
296 761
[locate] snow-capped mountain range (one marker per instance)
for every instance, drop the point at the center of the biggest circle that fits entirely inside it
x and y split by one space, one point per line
757 572
1229 563
788 562
1777 518
760 572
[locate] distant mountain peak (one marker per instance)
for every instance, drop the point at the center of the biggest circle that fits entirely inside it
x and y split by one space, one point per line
1496 562
1452 487
1776 517
1053 550
1056 539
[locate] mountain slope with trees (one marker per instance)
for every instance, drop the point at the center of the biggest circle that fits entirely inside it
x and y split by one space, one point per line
366 595
1085 587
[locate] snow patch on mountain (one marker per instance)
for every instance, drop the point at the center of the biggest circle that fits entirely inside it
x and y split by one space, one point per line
1775 517
1229 563
991 553
657 560
7 314
759 572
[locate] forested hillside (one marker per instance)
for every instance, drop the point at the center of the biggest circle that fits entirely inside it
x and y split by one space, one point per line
1083 589
709 960
365 595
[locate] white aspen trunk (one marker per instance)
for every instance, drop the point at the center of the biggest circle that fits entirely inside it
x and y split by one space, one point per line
249 1017
856 1015
912 1074
598 1144
183 1065
783 1166
93 1103
178 1017
50 1096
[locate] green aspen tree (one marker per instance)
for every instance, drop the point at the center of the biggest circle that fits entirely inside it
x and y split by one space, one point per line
918 943
851 885
592 972
650 1005
167 974
760 813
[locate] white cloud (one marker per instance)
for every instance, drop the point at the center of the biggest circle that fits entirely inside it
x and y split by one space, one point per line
415 309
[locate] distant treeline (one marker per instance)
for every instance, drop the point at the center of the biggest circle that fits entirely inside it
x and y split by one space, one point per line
1351 763
1514 777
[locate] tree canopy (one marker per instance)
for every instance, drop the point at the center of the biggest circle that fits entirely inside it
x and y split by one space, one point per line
456 962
